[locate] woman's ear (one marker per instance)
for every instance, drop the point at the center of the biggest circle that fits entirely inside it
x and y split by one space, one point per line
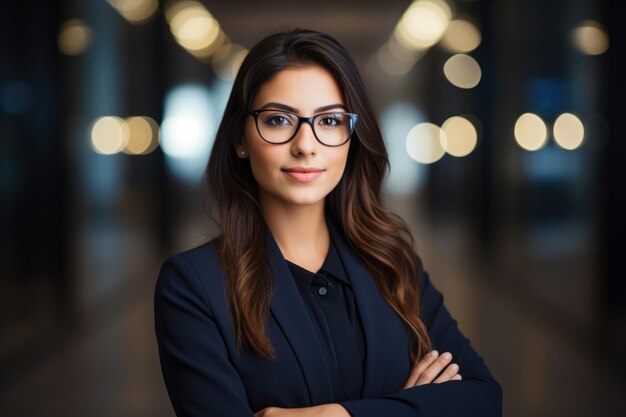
241 151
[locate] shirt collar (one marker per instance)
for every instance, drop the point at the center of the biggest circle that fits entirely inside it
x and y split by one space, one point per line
332 266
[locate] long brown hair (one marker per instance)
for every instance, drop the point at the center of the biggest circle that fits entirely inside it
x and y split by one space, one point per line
381 239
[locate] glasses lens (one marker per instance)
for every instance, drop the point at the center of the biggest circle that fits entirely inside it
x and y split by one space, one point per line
333 129
276 126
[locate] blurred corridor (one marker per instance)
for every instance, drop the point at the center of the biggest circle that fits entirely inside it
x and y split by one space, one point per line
107 112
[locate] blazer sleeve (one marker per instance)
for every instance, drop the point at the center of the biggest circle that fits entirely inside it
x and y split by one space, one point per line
478 394
199 376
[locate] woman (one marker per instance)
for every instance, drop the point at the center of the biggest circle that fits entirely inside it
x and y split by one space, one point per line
312 301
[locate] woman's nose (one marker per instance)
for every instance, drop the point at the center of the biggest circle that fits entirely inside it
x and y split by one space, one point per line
304 143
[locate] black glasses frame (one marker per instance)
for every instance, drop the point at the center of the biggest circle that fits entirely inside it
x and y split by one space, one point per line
353 119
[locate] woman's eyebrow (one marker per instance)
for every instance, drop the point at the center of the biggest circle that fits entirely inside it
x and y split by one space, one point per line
282 106
330 107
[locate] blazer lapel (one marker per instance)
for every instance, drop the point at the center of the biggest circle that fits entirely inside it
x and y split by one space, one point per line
291 315
374 312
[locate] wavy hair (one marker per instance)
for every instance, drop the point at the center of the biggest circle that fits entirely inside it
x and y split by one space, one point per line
381 239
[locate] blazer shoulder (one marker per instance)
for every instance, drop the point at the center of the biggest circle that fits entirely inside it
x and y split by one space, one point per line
193 271
202 258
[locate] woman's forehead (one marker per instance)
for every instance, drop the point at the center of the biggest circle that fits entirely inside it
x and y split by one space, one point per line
302 88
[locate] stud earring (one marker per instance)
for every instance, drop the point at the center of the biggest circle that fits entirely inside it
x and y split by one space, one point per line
242 152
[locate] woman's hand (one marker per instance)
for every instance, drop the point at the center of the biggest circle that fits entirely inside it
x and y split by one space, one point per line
427 369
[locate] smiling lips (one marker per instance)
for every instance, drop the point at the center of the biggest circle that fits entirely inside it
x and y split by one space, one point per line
302 174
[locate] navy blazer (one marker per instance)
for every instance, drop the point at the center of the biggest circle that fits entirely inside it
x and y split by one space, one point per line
206 376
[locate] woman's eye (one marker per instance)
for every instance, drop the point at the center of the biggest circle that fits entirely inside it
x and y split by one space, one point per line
277 120
331 121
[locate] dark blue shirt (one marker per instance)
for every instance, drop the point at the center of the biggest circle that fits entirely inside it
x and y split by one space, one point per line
329 300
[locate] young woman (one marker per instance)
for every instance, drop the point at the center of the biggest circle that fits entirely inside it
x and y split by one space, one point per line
312 300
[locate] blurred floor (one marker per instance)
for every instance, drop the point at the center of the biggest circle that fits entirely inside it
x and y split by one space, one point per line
108 365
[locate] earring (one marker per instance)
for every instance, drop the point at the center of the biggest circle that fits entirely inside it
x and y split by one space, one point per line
242 152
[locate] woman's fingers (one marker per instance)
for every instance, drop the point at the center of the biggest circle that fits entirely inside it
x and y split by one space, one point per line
433 368
448 374
419 367
432 371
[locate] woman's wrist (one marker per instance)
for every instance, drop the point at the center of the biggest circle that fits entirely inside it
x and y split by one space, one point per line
334 410
324 410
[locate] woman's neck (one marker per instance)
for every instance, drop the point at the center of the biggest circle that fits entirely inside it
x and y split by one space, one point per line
300 232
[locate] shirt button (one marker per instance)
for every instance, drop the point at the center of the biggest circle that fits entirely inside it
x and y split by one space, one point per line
322 291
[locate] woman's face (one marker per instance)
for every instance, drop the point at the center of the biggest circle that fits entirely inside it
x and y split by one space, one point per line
302 171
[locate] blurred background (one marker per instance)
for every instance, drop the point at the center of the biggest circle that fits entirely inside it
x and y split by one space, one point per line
502 121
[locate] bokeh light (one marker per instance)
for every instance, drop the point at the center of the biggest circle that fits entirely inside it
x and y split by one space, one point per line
405 176
423 24
74 37
143 135
227 60
188 130
109 135
458 136
423 143
591 38
462 71
194 28
135 11
461 36
530 132
568 131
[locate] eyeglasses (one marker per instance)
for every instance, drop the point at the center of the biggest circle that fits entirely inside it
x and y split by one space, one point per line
281 126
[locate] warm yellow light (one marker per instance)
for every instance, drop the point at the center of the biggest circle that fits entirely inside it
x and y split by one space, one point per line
462 71
531 132
197 33
459 136
423 24
568 131
461 36
591 38
74 37
207 52
173 7
109 135
143 135
423 143
227 60
182 12
135 11
193 27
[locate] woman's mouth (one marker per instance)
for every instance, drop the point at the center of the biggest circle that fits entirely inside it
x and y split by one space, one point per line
303 174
